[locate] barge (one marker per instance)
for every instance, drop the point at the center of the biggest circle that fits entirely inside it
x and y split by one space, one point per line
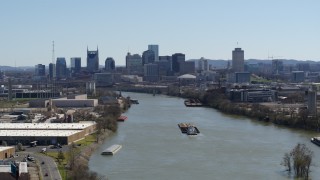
122 118
112 149
316 140
193 103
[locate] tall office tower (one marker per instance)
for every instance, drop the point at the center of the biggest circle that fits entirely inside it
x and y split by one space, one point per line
148 56
151 72
155 49
203 64
177 58
238 60
61 68
40 70
110 64
277 66
168 59
75 64
93 60
134 64
52 71
312 101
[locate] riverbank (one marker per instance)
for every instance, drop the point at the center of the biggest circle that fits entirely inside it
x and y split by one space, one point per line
81 166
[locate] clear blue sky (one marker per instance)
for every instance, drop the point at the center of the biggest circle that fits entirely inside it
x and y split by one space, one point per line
198 28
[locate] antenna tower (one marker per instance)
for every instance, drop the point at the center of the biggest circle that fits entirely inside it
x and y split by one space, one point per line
52 52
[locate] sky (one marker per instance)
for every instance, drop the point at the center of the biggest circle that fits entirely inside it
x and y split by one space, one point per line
286 29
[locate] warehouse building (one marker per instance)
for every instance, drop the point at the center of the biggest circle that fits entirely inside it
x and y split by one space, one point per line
6 152
45 133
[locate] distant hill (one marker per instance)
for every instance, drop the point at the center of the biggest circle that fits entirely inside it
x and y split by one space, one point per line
220 63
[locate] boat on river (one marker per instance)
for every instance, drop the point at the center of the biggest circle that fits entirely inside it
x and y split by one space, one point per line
112 149
122 118
193 103
316 140
188 128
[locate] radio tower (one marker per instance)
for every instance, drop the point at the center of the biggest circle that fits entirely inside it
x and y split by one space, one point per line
52 52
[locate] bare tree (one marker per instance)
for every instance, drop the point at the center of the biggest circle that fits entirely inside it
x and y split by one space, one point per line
301 156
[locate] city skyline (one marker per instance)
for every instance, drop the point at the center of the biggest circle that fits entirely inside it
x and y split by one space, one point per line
210 29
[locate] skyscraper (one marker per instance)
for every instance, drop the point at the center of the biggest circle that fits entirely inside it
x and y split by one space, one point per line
177 58
134 64
75 64
155 49
61 68
148 56
110 64
238 60
52 71
40 70
93 60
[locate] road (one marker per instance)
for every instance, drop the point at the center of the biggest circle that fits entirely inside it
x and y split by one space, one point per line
49 166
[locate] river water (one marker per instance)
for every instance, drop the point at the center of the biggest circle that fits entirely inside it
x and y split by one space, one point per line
228 147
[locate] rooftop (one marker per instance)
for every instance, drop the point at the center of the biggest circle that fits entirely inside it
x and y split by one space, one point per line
46 126
38 133
3 148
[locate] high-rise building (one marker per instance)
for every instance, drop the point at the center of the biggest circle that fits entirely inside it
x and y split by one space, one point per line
203 64
155 49
110 64
238 60
177 58
40 70
52 71
75 64
151 72
168 59
312 102
297 76
187 67
134 64
148 56
93 60
61 68
277 66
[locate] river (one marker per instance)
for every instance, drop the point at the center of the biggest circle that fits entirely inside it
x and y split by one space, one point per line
228 147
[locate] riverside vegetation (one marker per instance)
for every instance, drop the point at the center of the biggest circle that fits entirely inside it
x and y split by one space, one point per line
216 98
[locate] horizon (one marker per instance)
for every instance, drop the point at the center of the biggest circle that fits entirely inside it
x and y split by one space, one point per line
209 29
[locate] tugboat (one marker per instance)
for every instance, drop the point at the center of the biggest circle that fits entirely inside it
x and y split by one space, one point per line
192 130
188 129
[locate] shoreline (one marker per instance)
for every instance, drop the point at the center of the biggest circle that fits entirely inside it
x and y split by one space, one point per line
85 154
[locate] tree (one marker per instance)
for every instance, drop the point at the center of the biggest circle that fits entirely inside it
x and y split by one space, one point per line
72 156
301 156
60 156
19 147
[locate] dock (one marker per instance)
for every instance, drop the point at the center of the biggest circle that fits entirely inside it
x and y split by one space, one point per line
112 150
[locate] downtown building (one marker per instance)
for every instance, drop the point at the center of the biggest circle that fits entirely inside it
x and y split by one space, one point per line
92 61
134 64
155 49
109 64
40 73
75 65
61 68
52 71
177 59
238 60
